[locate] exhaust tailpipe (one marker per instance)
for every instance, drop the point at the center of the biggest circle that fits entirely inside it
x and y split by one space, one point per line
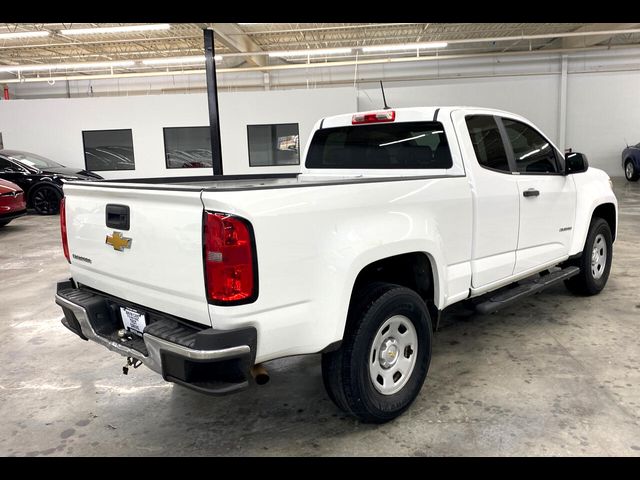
260 374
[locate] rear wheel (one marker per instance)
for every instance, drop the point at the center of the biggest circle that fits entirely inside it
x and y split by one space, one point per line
46 200
381 365
631 172
4 222
595 262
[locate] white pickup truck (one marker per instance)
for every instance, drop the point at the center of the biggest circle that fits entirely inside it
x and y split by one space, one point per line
397 215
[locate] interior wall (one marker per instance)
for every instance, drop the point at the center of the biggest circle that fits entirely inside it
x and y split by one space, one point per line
603 112
53 127
535 97
602 103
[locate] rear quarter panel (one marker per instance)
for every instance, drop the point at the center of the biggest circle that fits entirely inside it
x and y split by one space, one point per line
312 242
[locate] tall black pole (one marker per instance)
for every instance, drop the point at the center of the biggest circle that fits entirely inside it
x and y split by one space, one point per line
212 94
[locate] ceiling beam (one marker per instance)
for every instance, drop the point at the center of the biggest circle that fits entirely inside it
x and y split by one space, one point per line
590 40
234 38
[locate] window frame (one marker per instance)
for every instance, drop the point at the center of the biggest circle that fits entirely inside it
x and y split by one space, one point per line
297 124
560 164
164 141
84 149
560 161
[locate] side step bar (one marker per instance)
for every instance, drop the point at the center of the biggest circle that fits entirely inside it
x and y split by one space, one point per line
509 297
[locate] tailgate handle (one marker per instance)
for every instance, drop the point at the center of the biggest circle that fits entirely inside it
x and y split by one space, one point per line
117 216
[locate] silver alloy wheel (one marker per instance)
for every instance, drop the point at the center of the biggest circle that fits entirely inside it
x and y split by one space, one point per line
598 256
629 170
393 355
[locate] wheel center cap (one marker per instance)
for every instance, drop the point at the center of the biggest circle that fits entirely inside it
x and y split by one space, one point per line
389 353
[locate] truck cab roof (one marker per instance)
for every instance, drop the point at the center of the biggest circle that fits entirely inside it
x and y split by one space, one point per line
412 114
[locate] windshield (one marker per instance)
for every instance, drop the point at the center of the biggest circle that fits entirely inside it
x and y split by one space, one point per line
31 159
381 146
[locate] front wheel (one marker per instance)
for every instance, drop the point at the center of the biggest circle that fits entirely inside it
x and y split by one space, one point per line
384 357
595 262
46 200
631 173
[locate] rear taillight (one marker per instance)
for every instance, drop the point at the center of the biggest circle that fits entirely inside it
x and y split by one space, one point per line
229 259
373 117
63 229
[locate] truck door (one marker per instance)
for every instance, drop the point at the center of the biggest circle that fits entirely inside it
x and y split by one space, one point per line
495 199
547 197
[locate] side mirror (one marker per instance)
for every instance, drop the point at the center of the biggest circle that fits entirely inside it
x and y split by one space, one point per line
575 163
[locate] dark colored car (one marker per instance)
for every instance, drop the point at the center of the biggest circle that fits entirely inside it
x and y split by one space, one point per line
12 202
631 162
40 178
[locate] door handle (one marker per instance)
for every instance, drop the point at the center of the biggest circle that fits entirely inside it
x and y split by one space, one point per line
532 192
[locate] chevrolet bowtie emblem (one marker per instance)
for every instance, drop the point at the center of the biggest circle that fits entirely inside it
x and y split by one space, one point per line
118 242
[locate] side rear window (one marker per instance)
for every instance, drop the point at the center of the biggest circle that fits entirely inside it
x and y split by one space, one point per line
5 164
487 142
406 145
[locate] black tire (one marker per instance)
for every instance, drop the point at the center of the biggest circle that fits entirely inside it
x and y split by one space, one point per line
345 371
45 199
586 283
4 222
631 173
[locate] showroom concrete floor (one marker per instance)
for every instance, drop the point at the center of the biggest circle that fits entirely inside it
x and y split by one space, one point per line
555 375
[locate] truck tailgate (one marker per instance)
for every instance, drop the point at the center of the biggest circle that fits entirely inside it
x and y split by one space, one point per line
162 267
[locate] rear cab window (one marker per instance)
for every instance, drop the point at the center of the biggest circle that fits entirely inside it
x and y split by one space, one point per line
403 145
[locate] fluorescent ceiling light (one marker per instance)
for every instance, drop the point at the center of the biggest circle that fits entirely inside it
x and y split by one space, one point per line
306 53
122 29
66 66
11 35
174 60
404 46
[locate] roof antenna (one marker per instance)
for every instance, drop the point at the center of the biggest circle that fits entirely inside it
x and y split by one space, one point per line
626 143
384 99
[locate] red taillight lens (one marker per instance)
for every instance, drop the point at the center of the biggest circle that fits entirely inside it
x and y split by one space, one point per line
373 117
229 259
63 229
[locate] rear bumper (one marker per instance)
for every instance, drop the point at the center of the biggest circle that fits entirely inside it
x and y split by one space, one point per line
207 360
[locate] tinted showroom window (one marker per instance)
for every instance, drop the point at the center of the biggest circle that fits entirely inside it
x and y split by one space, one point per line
487 142
271 145
381 146
533 153
108 150
187 147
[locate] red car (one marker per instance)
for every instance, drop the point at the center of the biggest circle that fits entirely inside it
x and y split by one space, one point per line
12 202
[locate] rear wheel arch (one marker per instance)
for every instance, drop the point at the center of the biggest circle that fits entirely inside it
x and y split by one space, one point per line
414 270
